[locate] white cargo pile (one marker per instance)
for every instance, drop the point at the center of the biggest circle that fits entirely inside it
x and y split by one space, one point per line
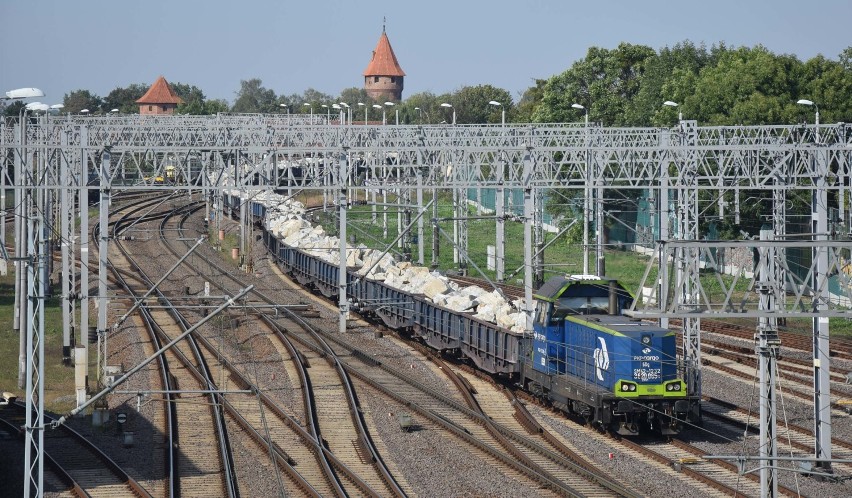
285 219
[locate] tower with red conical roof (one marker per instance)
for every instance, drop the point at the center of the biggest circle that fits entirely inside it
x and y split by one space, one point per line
159 99
383 78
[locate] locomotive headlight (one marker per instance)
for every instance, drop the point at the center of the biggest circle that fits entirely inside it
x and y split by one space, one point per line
677 387
625 387
669 387
632 387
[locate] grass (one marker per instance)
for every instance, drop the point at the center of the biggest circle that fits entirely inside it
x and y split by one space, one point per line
58 378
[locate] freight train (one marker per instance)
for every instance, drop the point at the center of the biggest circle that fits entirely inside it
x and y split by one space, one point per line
584 356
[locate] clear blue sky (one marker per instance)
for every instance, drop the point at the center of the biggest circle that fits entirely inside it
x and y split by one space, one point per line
64 45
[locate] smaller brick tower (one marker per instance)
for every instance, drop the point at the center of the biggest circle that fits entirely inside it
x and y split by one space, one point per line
159 99
383 78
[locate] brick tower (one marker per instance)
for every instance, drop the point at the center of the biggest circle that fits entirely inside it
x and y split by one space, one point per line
383 78
159 99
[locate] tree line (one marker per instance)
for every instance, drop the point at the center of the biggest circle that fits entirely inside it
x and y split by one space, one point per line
623 86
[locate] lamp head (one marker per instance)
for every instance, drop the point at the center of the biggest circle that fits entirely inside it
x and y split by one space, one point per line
670 103
24 93
37 106
805 102
494 102
577 106
446 105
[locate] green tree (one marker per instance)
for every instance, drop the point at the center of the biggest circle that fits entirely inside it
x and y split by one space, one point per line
471 104
423 108
354 95
215 106
604 82
78 100
528 103
316 97
124 98
747 86
845 58
670 75
254 98
829 84
14 109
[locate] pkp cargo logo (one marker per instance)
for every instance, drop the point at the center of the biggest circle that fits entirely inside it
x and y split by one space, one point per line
601 356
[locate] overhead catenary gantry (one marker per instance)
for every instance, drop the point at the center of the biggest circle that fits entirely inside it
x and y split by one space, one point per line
689 173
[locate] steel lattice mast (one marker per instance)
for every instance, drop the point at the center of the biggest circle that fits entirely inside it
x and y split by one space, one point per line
682 167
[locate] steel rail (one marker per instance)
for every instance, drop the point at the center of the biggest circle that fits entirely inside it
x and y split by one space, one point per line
356 413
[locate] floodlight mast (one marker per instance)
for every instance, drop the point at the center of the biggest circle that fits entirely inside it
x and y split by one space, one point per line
30 373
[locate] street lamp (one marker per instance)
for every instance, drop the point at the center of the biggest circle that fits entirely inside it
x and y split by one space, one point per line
84 112
339 110
578 106
377 106
348 111
286 107
391 104
587 195
113 111
312 111
420 111
366 110
451 107
327 114
502 113
816 108
674 104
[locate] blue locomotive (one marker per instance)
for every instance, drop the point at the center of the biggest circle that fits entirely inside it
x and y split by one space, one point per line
591 360
584 357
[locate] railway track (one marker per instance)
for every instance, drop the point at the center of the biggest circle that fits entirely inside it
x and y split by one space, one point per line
540 451
792 438
841 348
196 423
716 476
344 446
78 463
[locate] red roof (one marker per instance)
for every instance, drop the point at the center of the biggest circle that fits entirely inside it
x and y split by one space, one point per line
384 61
160 93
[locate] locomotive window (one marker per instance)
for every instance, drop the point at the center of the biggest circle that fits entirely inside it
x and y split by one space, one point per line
542 311
584 305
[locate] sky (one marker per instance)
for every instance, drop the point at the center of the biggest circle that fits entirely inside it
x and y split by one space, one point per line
60 46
